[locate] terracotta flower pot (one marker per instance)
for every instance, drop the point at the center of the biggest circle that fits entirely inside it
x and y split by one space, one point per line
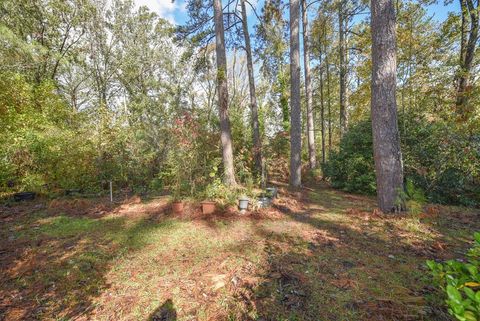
208 207
177 207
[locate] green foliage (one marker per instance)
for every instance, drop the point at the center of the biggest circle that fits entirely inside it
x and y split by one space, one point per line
182 165
279 144
218 192
36 146
441 161
460 281
414 193
412 197
351 167
91 93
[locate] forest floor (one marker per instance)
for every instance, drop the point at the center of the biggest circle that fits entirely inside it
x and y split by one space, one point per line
319 254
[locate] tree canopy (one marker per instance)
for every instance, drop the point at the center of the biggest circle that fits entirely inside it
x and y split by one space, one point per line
94 91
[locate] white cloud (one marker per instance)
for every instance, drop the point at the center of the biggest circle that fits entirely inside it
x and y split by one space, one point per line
164 8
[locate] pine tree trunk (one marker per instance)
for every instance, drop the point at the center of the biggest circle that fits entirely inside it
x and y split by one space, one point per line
386 141
470 13
222 88
322 112
308 90
295 114
257 143
329 105
283 86
343 68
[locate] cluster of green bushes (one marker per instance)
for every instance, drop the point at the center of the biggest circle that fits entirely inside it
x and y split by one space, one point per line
37 146
48 147
192 167
460 282
439 158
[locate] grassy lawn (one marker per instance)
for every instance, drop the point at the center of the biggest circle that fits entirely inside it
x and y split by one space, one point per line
316 255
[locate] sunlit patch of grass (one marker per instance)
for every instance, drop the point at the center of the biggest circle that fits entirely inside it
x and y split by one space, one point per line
145 232
414 225
328 199
412 228
179 257
63 226
66 226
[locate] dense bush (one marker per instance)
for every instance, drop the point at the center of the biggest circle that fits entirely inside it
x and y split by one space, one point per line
190 158
46 146
460 281
37 150
443 161
351 168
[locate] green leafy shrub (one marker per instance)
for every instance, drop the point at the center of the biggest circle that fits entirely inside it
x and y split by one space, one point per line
441 161
460 282
37 147
218 192
351 168
413 197
181 171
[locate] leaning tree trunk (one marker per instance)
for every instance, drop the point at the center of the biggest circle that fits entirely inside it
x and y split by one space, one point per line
295 114
342 47
308 90
222 88
386 141
257 143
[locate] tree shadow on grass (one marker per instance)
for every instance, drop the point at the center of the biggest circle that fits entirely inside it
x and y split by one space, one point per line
165 312
335 271
327 268
54 266
326 279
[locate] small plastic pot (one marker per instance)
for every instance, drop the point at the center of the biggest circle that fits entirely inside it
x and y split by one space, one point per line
264 202
177 207
208 207
243 204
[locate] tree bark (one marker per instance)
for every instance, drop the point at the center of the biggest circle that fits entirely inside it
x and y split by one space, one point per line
257 143
283 83
222 88
308 90
329 103
470 13
386 140
295 114
343 68
322 112
323 44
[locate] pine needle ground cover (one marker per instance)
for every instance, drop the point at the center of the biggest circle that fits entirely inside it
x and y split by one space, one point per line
319 254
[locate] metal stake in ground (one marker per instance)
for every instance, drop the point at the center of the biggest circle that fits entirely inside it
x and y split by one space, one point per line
111 192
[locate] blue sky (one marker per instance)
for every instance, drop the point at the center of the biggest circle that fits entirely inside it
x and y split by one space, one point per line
176 13
440 12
